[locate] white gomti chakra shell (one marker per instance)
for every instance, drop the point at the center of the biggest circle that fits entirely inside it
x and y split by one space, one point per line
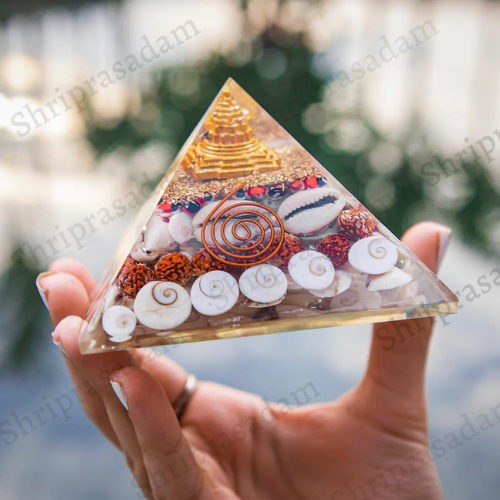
181 227
341 283
392 279
263 283
119 323
214 293
373 255
311 270
161 305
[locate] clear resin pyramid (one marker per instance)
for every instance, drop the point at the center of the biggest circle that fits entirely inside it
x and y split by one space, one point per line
248 234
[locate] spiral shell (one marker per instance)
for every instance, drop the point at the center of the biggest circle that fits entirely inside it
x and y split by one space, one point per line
214 293
311 270
249 225
263 283
119 323
373 255
162 305
340 284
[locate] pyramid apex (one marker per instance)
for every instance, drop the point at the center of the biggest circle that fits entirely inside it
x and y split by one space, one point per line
229 81
229 148
230 85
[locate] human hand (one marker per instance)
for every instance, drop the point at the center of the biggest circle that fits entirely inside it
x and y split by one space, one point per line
371 442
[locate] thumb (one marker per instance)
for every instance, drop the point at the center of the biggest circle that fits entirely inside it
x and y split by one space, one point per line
398 367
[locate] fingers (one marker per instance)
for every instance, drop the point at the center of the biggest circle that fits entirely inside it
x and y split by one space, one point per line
97 369
63 294
170 464
66 334
66 291
168 373
75 268
399 365
66 296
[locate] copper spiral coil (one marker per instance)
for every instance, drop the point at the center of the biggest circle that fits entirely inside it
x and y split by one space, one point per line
259 257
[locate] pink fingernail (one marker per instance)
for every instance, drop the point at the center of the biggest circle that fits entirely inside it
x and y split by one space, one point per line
57 342
119 393
444 241
41 290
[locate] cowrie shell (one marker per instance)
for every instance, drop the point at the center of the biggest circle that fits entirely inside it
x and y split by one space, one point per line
308 212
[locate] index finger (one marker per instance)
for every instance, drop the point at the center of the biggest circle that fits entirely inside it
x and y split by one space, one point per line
76 269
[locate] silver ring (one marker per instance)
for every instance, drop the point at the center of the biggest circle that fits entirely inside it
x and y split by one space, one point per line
180 404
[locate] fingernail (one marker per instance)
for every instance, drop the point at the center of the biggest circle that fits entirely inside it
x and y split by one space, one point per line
41 290
444 241
57 342
119 393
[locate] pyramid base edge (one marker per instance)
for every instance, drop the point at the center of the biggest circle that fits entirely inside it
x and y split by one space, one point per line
279 326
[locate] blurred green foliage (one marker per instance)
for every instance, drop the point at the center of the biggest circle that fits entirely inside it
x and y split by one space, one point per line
22 313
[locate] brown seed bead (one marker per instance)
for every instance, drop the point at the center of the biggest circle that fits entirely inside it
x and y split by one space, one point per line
335 247
244 254
174 267
128 263
355 224
203 262
290 246
133 276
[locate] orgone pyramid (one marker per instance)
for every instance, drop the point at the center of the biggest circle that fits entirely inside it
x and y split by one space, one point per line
248 234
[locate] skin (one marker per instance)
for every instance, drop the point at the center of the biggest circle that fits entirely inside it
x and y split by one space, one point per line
370 443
